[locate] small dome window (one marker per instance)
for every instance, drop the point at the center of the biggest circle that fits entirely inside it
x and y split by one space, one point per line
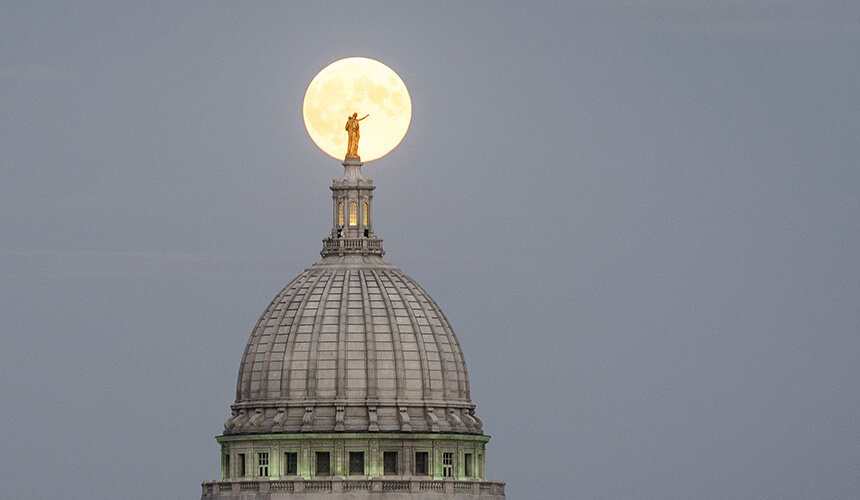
340 214
364 215
353 216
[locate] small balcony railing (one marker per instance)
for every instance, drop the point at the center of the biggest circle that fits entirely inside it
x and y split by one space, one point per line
352 245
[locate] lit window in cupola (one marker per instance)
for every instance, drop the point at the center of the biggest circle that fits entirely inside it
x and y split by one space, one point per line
353 216
340 214
364 215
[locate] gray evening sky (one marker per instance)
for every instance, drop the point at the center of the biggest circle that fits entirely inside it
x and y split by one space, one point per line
642 218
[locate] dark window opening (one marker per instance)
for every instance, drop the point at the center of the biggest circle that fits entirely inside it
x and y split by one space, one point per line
389 463
467 464
291 463
356 463
241 471
323 463
226 466
421 463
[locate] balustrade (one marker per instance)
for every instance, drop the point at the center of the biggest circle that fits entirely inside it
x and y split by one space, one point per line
352 245
217 489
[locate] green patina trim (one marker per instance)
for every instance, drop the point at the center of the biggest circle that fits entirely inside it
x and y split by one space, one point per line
339 444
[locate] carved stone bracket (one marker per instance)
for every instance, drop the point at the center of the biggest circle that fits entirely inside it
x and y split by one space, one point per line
405 426
467 419
308 419
257 418
228 424
479 425
238 420
338 420
372 418
454 418
281 417
432 419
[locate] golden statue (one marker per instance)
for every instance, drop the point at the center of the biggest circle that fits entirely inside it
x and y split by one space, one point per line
351 128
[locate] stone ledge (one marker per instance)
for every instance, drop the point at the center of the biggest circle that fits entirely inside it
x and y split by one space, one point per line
364 488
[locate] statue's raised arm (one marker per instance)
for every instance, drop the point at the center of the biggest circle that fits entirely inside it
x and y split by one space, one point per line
363 117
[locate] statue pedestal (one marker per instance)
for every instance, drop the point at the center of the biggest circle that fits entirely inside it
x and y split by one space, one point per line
352 169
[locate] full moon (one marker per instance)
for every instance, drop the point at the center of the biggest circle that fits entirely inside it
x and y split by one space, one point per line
357 85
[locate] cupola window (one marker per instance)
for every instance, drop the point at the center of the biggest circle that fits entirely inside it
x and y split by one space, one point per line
353 216
340 214
364 215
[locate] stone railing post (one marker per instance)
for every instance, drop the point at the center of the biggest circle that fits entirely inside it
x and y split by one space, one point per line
448 486
375 484
414 485
299 484
337 485
264 485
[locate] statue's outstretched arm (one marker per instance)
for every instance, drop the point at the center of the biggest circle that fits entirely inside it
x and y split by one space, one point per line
363 117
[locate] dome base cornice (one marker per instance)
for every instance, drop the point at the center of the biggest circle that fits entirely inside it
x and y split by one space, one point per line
351 416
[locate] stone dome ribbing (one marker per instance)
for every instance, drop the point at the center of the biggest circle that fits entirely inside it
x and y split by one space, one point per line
372 323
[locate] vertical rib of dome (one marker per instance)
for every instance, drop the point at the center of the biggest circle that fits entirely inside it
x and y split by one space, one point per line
370 381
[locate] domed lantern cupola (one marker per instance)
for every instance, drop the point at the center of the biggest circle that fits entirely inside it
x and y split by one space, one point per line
352 214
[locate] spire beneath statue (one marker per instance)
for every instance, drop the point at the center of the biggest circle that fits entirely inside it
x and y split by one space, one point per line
352 214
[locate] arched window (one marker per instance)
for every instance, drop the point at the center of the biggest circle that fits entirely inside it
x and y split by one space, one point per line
340 214
364 215
353 216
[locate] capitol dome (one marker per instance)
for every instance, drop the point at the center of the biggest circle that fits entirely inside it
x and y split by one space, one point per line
352 383
353 344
